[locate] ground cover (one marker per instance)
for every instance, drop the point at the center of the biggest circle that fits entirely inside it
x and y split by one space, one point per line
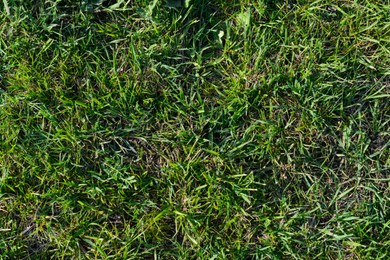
196 129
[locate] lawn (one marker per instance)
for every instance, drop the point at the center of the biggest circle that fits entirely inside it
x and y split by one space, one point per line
145 129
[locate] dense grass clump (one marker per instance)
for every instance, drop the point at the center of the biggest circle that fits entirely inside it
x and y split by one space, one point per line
195 129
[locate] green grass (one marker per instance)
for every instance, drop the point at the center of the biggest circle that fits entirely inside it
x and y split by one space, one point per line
246 129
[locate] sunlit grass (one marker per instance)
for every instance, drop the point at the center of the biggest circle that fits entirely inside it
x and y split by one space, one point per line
221 130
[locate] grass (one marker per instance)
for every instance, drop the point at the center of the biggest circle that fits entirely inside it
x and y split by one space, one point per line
222 130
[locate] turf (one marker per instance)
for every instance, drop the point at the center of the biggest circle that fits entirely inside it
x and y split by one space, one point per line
199 129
